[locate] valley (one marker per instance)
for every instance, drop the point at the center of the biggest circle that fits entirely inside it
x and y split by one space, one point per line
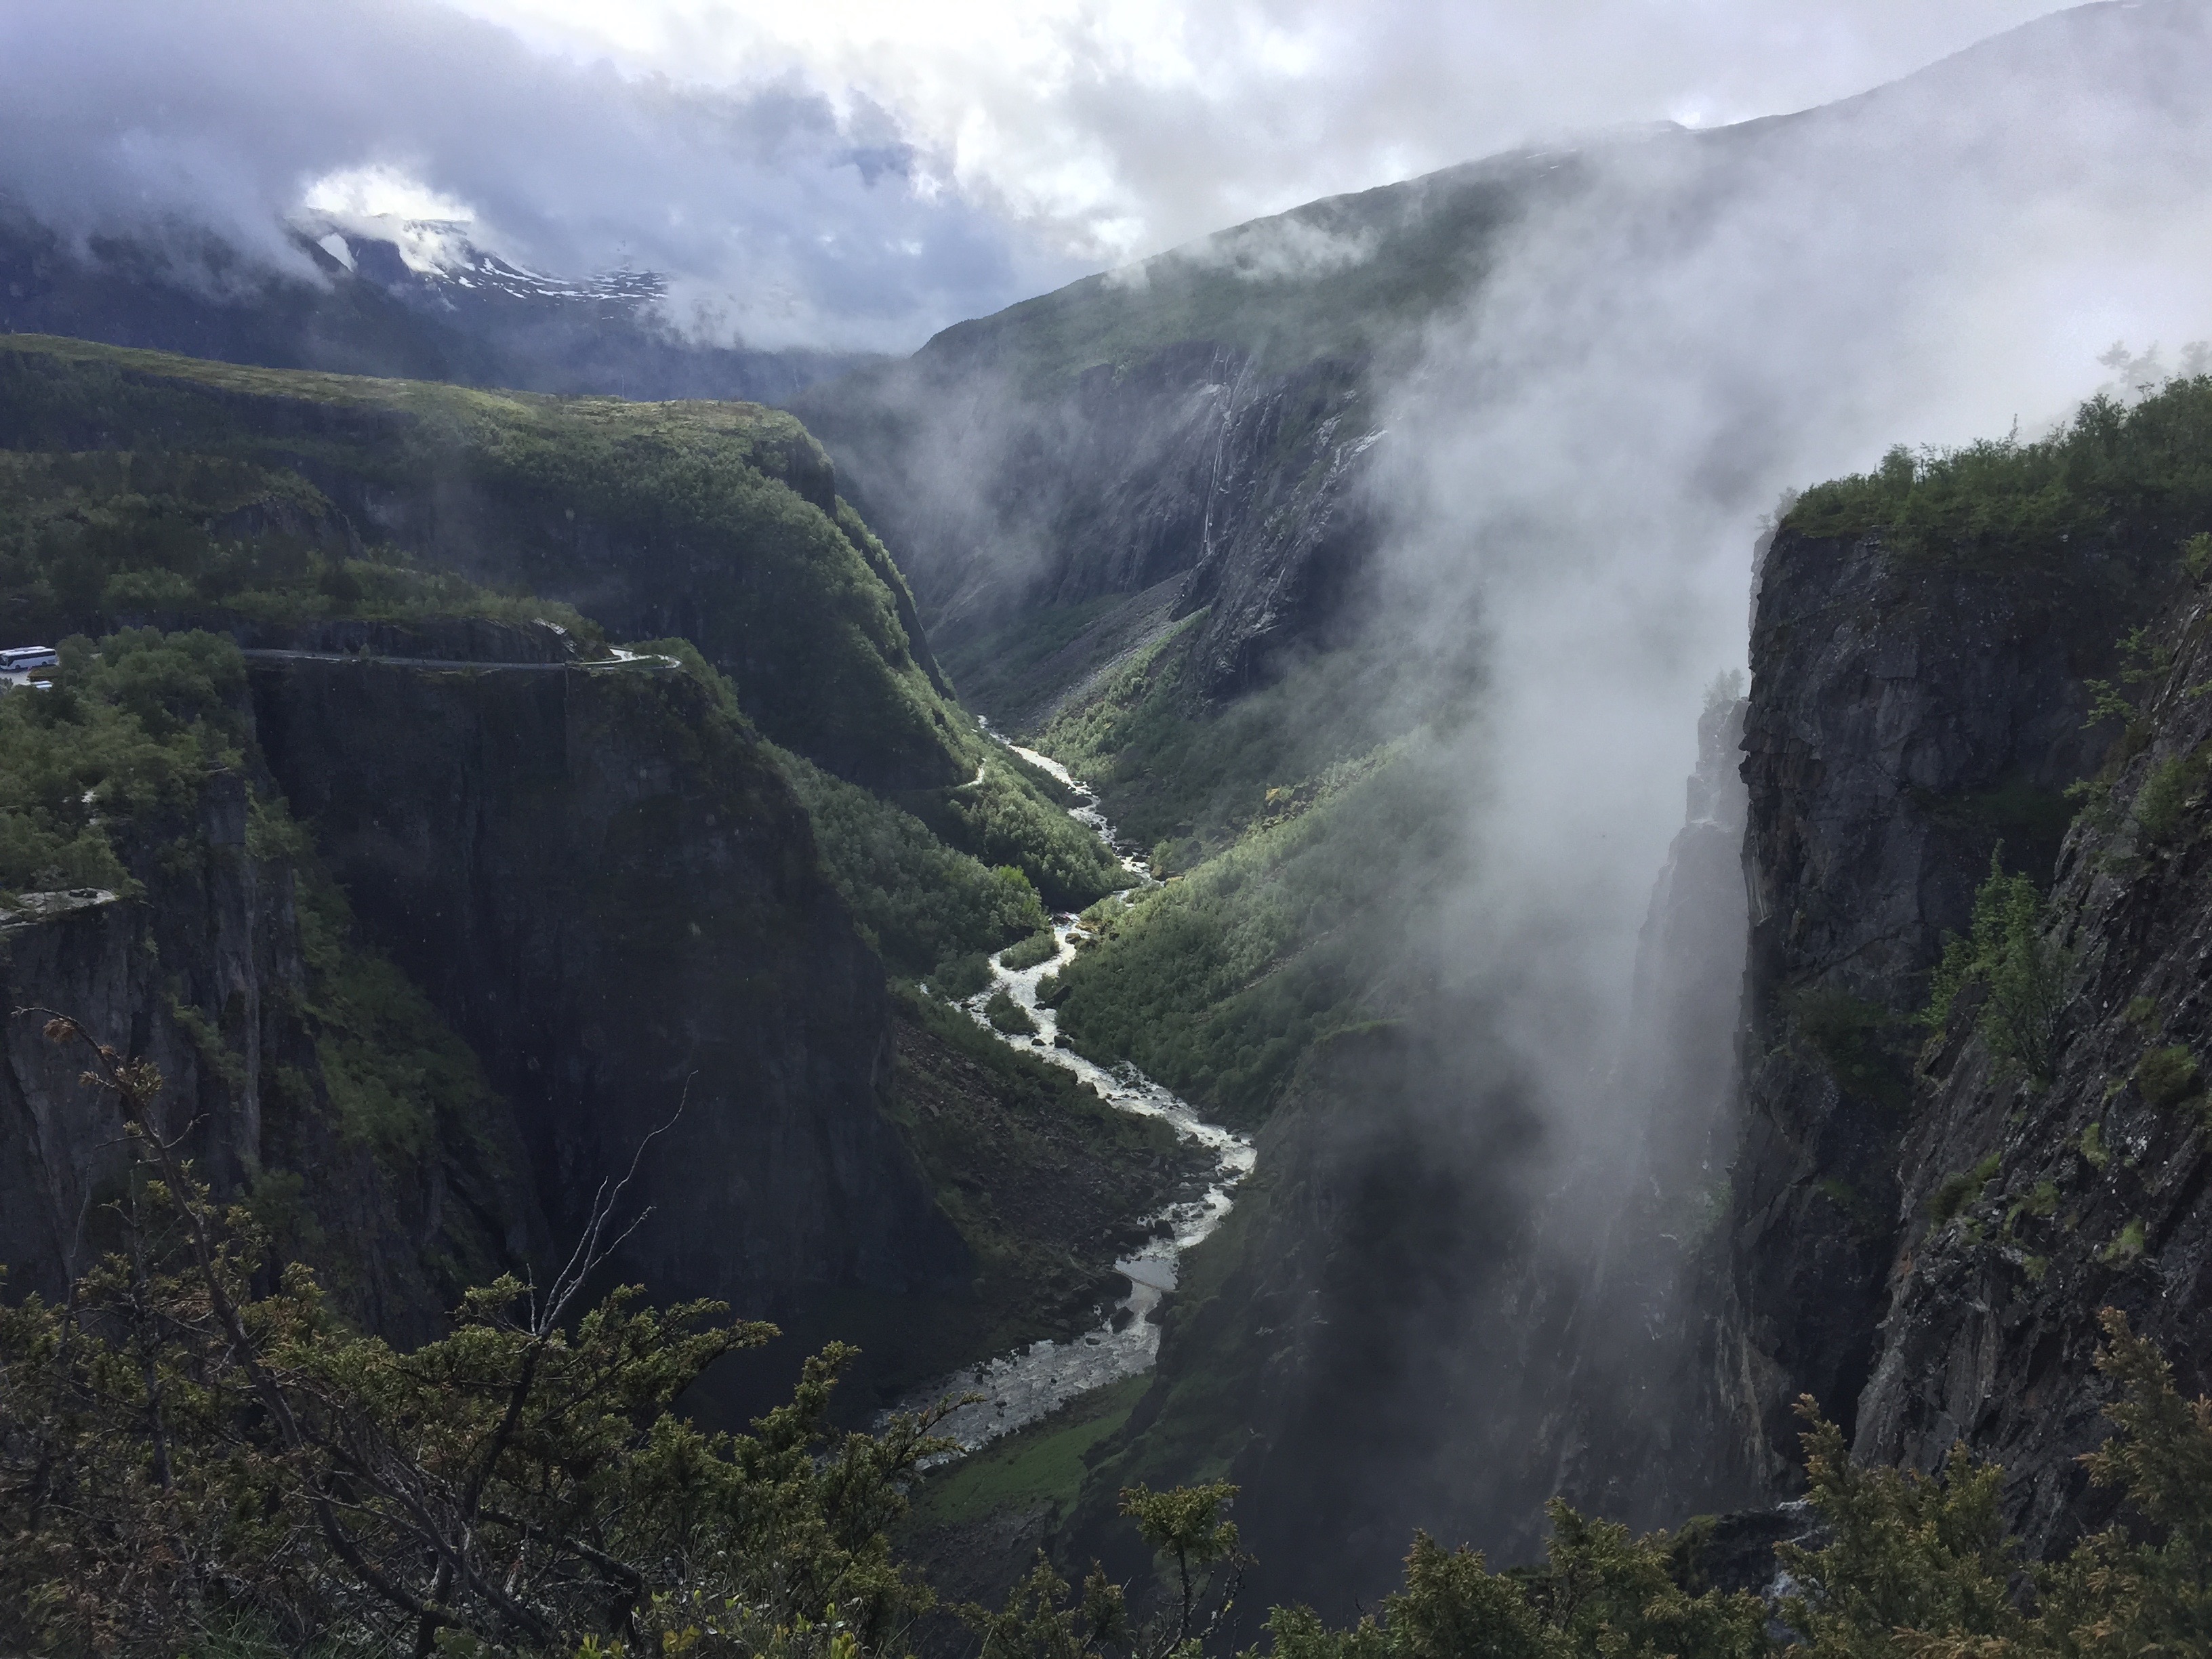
1383 938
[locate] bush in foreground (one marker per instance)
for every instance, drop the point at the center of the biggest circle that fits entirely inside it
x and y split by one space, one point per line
195 1456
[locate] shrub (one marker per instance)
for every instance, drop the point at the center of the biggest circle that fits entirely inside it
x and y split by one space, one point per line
1040 947
1008 1015
191 1448
2167 1076
2163 801
2022 971
1956 1191
2148 467
962 976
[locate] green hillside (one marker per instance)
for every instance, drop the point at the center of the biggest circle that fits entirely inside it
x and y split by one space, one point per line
282 496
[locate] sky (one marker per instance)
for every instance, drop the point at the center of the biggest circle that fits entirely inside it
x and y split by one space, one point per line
861 172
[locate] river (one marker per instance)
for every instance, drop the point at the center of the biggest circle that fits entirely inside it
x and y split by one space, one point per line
1019 1387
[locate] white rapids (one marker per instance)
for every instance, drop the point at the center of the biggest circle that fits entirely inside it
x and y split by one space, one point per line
1019 1387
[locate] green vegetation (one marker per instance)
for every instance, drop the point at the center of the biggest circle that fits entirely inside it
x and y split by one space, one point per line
1199 1550
723 513
1956 1192
1189 777
1045 1182
197 1454
2127 1244
1040 947
2094 1151
1008 1015
920 901
91 536
2021 972
2168 1076
961 977
1218 982
195 1457
1002 817
2140 474
1600 1592
2161 805
122 746
1043 1464
485 502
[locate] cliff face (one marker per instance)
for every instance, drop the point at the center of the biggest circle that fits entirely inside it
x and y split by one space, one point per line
1199 463
1909 715
207 976
2028 1204
578 899
604 884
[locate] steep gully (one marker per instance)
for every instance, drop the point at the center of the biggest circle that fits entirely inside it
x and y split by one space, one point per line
1013 1390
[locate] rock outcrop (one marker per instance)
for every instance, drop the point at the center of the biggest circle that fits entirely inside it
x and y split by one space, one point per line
1911 715
2029 1203
607 887
601 881
205 975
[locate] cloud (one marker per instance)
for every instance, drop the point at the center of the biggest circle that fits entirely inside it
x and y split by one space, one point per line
787 217
853 172
1122 127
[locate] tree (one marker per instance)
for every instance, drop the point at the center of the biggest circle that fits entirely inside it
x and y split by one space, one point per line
2022 972
190 1447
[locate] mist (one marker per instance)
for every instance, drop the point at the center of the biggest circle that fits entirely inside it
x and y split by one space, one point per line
1572 480
779 216
1584 459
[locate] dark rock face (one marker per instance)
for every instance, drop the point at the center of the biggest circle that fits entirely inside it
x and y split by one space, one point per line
205 977
1195 461
1907 716
614 898
602 884
2098 1182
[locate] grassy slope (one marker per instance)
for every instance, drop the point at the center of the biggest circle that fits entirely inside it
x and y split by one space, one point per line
723 513
1283 822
